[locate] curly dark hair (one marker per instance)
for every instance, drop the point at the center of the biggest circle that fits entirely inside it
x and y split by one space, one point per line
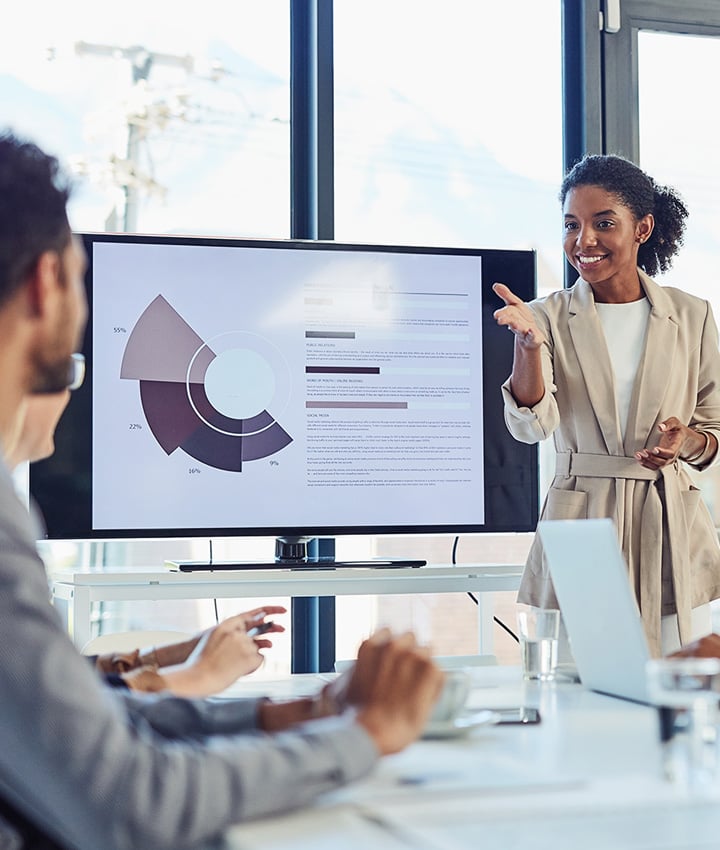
33 218
641 195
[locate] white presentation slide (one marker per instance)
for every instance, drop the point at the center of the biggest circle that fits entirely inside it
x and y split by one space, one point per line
241 386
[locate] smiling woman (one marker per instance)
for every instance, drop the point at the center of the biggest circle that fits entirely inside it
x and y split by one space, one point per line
622 372
602 243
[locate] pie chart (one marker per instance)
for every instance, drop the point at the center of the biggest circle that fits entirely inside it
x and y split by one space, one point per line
211 399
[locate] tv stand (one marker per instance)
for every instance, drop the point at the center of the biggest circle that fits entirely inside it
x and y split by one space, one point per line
296 549
296 553
373 564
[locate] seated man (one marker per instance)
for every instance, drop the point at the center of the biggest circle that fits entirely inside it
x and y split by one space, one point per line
99 768
201 666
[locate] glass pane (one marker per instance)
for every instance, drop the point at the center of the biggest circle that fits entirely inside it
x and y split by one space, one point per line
678 146
444 137
176 121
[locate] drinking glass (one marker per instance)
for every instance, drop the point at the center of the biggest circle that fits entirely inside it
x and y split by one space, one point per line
538 630
687 690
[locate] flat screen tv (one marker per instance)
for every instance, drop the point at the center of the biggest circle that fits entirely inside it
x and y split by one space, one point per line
290 388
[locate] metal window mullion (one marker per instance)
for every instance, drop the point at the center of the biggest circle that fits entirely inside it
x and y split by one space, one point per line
311 120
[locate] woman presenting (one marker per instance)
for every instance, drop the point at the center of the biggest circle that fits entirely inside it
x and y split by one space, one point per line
626 376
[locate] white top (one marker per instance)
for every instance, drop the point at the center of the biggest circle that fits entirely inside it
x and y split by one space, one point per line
625 327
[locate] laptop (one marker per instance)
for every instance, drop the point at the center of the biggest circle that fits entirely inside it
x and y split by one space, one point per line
601 615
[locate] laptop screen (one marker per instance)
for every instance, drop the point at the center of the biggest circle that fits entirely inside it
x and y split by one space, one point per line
599 609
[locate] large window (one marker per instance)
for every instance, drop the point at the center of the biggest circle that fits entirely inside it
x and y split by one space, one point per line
447 132
443 136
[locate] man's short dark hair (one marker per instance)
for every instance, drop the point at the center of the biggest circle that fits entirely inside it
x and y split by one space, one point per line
33 218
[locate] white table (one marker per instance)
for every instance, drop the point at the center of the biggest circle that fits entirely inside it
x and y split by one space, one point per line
588 776
77 591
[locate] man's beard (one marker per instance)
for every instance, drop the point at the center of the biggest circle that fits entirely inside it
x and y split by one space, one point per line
55 372
54 377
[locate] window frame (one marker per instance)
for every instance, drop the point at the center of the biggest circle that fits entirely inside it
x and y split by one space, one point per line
620 61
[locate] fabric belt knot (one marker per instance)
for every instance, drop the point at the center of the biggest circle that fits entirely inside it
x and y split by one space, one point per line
602 466
579 464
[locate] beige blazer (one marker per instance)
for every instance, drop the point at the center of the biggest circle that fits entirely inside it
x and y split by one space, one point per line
664 527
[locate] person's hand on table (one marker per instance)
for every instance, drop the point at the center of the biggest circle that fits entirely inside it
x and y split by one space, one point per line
393 687
704 647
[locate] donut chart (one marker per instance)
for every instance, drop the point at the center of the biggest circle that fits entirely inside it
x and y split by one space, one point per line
209 399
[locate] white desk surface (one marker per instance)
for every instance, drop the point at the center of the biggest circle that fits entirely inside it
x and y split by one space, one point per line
504 574
588 776
78 589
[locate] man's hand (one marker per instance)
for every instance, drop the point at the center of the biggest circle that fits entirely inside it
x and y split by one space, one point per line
704 647
221 656
394 686
256 617
178 653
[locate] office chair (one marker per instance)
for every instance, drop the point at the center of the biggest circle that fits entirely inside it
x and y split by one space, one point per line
25 834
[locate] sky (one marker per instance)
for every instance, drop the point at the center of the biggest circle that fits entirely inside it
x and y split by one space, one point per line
446 133
684 152
442 135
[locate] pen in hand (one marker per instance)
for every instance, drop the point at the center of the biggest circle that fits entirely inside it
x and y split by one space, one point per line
260 629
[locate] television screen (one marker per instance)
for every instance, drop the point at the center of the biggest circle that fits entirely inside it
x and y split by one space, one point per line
254 387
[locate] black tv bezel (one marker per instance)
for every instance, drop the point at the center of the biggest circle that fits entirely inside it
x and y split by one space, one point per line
61 485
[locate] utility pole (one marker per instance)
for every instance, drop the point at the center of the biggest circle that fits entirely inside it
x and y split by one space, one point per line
141 63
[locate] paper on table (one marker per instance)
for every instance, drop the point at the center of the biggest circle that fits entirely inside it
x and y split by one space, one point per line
439 768
634 814
320 829
290 687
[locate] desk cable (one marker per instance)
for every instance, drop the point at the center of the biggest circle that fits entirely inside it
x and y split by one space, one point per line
215 605
475 599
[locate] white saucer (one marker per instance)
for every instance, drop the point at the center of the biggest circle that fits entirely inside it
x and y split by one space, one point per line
460 725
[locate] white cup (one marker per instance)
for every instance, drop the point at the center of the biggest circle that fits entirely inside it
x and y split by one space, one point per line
453 697
538 630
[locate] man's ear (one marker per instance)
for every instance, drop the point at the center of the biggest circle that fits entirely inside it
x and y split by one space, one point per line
43 282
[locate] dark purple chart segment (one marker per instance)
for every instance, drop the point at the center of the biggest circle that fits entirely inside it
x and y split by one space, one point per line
175 424
171 362
229 452
169 413
204 408
265 443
